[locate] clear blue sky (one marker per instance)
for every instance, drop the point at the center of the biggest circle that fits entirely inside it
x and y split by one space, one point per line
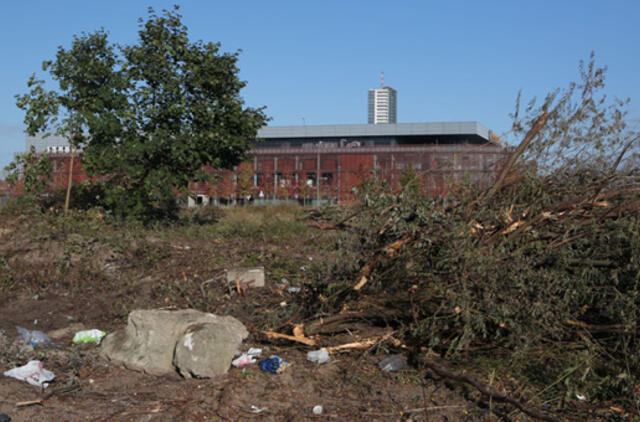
448 60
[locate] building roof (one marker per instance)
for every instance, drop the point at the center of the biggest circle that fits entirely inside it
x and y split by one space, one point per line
330 131
370 130
41 143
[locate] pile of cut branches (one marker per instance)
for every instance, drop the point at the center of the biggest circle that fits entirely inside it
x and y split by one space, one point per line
537 274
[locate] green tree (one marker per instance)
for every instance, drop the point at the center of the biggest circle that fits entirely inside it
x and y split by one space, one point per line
244 185
31 170
90 101
149 118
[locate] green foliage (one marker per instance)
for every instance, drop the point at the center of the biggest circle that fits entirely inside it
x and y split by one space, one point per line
410 182
31 170
256 223
244 184
89 102
201 215
148 116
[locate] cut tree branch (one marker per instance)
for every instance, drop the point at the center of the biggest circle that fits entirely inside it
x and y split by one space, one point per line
490 394
299 339
535 128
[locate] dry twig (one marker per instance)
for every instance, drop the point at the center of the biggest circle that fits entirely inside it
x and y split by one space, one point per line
303 340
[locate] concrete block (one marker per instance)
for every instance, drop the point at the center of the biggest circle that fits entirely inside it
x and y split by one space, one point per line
249 277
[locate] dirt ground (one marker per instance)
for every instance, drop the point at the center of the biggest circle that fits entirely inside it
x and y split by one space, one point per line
350 387
58 274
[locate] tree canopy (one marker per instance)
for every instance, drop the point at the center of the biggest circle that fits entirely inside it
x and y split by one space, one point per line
148 116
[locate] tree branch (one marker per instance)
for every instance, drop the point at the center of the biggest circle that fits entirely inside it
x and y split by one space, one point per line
490 394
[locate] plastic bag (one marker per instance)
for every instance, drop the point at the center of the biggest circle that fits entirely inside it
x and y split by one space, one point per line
274 364
244 360
34 337
318 356
256 409
254 351
89 336
393 363
33 373
247 358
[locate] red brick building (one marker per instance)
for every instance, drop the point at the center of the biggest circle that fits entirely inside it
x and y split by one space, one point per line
326 162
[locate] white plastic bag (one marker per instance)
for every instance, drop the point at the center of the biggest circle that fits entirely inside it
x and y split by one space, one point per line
243 360
319 356
89 336
247 358
33 373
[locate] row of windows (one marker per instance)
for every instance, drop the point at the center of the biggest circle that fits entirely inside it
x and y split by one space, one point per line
57 149
283 181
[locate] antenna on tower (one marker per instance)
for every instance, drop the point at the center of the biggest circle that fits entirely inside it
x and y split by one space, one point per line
381 79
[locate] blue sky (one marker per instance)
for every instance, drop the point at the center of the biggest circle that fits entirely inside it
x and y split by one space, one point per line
448 60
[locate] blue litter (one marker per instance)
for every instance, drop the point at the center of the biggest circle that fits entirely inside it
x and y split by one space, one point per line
274 364
34 337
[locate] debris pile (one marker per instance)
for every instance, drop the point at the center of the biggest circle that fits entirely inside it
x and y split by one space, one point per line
537 273
544 275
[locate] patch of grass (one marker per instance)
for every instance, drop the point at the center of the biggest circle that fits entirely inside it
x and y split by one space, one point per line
250 222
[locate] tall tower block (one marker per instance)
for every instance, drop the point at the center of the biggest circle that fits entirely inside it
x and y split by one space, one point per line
382 104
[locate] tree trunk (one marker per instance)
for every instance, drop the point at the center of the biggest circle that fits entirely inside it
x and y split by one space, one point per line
66 201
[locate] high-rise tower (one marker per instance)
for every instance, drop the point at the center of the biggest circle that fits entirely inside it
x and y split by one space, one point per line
382 104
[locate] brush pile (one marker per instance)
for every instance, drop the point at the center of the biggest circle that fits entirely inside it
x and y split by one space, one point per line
536 275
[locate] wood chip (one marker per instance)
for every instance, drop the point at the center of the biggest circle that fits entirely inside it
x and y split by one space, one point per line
298 330
361 283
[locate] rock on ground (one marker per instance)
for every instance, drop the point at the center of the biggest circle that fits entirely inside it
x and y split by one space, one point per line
204 343
207 350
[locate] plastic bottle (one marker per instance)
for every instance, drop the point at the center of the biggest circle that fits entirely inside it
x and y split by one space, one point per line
34 337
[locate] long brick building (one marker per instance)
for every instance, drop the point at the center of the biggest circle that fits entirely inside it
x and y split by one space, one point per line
320 163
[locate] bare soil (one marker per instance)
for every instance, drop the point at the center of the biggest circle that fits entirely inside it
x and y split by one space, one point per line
57 274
